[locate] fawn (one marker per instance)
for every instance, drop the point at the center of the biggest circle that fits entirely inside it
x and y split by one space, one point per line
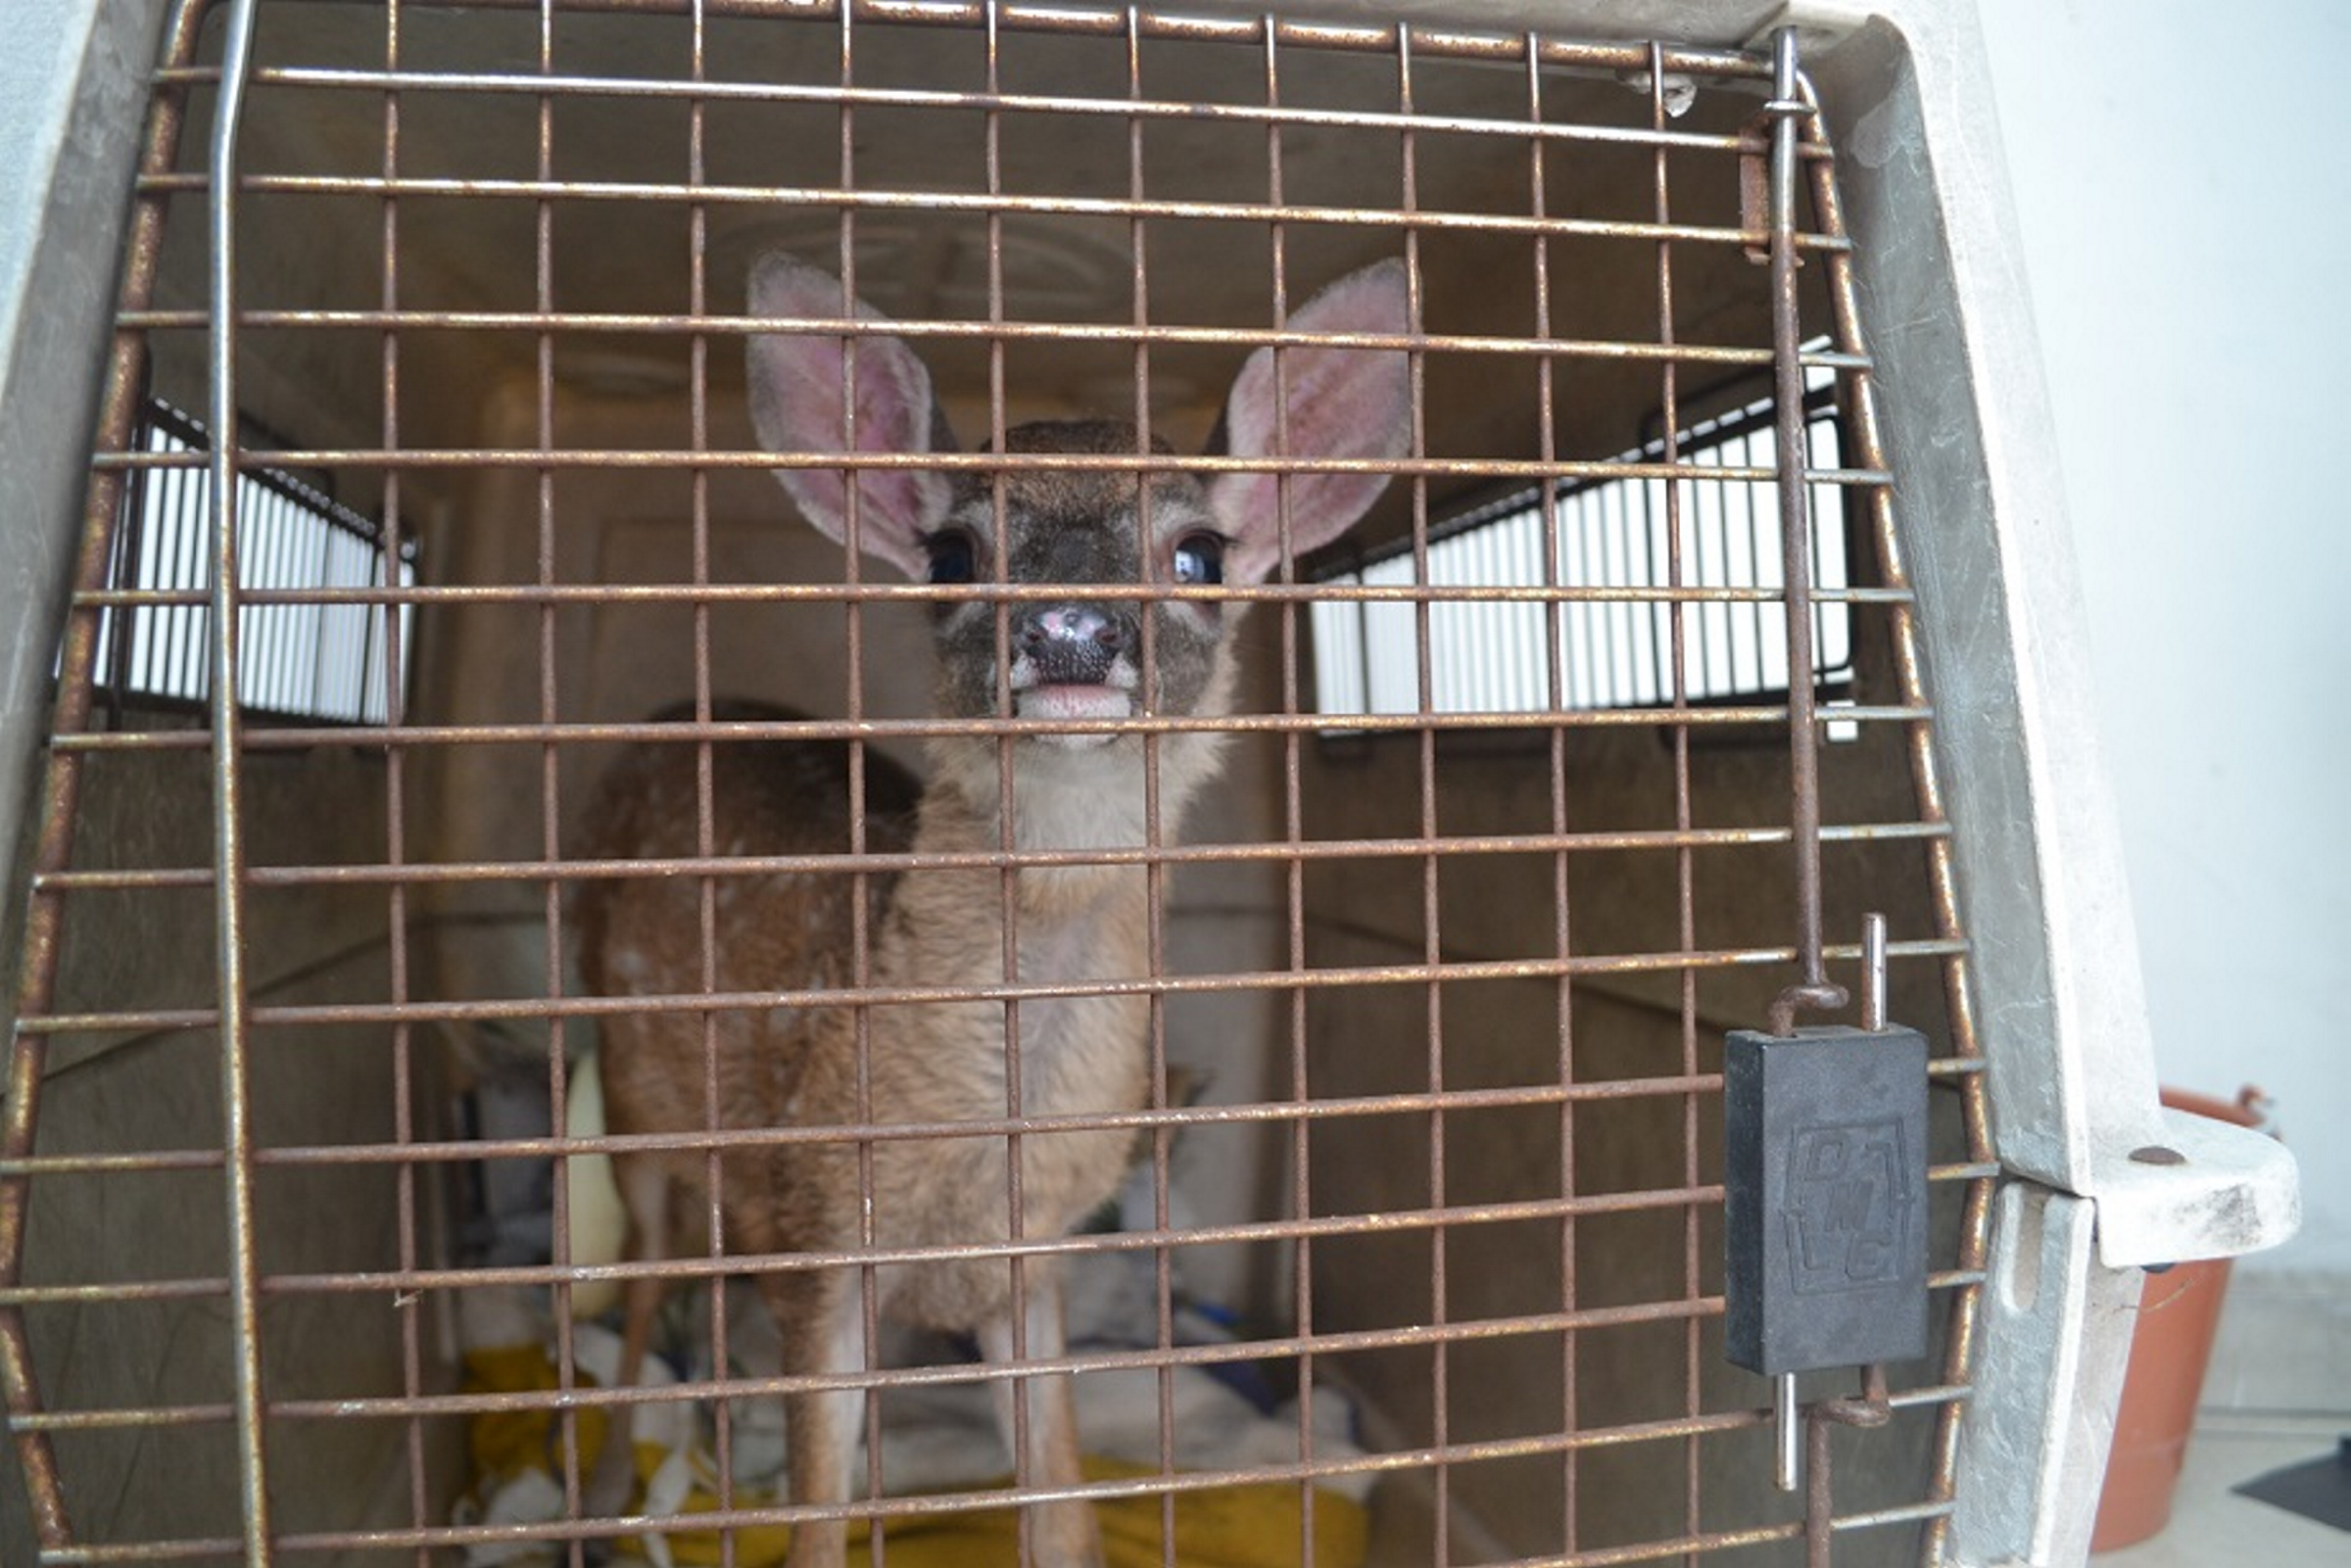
1080 787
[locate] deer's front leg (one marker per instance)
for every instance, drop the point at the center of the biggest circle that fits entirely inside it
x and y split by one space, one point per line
1062 1534
644 1190
824 1334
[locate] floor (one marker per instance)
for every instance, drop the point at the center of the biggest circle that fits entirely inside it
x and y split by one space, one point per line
2212 1525
2278 1394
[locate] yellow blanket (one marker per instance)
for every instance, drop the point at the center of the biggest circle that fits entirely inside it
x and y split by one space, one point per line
1243 1526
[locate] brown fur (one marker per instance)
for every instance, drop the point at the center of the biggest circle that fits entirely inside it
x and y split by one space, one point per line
937 1063
948 1062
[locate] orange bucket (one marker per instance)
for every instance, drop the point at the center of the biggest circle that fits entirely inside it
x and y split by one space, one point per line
2179 1311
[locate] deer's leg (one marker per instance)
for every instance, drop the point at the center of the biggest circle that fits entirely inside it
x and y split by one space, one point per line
1062 1534
824 1333
644 1196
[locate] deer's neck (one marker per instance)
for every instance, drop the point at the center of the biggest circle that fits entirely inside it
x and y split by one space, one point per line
1122 794
1074 923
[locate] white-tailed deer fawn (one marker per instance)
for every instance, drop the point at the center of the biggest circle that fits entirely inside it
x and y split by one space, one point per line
1083 789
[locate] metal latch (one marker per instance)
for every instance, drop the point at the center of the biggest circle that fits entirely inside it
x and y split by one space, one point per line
1825 1205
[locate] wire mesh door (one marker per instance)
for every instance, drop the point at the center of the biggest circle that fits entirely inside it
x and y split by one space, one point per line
1424 724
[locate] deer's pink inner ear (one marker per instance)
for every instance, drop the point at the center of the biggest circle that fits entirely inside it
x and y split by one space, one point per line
799 406
1336 403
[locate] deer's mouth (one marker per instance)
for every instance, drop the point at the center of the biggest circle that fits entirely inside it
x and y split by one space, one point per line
1069 701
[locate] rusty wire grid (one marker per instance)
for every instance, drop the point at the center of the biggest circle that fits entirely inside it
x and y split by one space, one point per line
1459 977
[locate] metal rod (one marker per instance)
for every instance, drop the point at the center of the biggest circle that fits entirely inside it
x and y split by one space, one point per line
1873 1408
986 465
1786 113
1133 112
419 736
1539 53
623 323
244 1268
1812 990
470 1151
1873 971
1868 447
718 594
1557 683
820 198
1092 1362
1819 1492
1788 1434
425 874
933 1504
540 1008
408 1223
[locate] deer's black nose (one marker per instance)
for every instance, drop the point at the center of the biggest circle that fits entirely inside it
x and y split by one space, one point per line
1071 645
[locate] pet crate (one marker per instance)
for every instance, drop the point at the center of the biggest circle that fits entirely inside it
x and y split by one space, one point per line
383 466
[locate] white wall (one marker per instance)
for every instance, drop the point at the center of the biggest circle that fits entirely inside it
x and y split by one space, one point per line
73 75
2178 179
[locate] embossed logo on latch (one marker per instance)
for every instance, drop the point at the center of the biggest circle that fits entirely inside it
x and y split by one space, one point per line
1847 1198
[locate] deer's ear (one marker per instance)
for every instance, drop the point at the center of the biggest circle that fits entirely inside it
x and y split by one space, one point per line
1333 402
799 406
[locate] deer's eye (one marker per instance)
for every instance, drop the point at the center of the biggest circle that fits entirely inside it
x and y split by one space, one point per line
1199 559
954 555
